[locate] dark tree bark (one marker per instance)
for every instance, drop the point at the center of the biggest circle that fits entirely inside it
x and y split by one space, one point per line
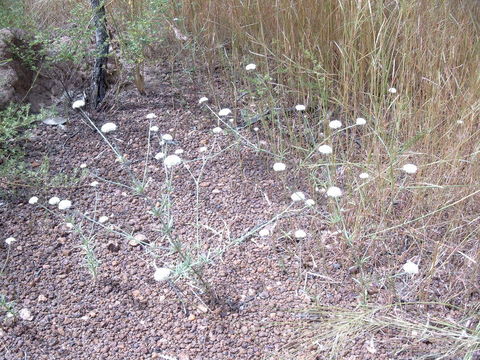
99 78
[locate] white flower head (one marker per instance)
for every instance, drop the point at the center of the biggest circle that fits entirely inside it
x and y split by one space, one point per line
151 116
300 234
325 149
108 127
459 122
172 160
224 112
154 128
256 129
410 168
364 175
25 314
202 149
410 268
298 196
264 232
300 107
83 166
202 100
33 200
162 274
64 204
69 225
94 183
9 241
310 202
77 104
159 156
279 166
179 151
217 130
167 137
335 124
250 67
360 121
103 219
334 191
54 200
392 90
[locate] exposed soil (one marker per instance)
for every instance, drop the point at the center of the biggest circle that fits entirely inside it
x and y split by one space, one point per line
261 285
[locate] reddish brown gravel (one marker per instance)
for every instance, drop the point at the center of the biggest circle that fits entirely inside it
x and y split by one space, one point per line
260 284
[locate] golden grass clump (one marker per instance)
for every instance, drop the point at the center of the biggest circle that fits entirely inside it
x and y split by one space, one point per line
340 58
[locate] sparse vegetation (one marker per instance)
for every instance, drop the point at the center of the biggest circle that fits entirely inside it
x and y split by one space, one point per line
364 112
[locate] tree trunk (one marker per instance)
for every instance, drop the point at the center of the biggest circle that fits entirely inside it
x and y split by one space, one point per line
99 78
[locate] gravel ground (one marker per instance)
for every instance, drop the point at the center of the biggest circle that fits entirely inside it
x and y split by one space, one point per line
259 285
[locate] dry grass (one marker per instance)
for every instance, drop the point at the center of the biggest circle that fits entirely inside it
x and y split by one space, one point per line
340 58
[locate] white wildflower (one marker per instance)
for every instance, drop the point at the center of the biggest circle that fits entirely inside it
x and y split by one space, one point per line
256 129
410 268
151 116
103 219
94 183
250 67
179 151
162 274
83 166
310 202
202 149
77 104
298 196
54 200
459 122
33 200
167 137
334 191
69 225
410 168
172 160
300 234
25 314
325 149
159 156
202 100
335 124
64 204
154 128
224 112
108 127
264 232
217 130
10 240
364 175
279 166
360 121
392 90
300 107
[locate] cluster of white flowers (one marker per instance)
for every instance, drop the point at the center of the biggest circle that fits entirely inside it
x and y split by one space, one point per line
224 112
217 130
300 234
300 107
172 160
151 116
154 128
325 149
279 166
364 175
410 268
108 127
410 168
202 100
264 232
360 121
77 104
335 124
54 200
167 137
250 67
9 241
334 192
162 274
392 90
298 196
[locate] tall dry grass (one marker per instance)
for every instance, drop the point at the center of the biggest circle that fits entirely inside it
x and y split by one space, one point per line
340 58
